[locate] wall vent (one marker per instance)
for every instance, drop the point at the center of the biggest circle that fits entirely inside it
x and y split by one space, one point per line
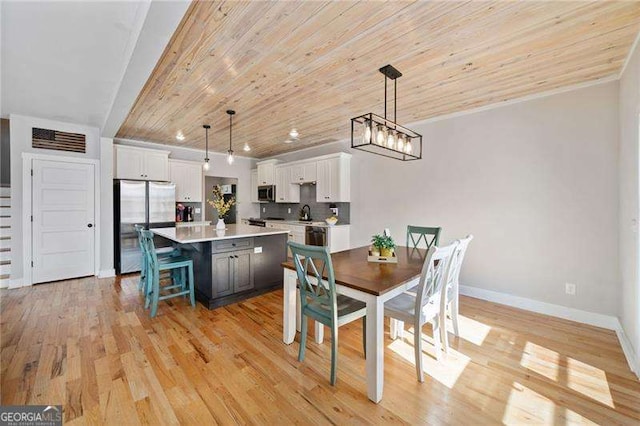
59 141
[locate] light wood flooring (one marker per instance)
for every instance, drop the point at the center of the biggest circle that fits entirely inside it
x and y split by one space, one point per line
89 345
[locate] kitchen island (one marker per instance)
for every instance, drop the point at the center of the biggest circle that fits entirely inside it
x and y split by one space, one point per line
234 264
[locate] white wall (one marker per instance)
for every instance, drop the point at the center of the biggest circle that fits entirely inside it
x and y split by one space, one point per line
629 207
536 183
20 128
240 169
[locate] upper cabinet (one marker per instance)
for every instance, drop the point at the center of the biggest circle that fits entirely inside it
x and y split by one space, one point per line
286 192
304 172
140 163
187 175
333 181
267 172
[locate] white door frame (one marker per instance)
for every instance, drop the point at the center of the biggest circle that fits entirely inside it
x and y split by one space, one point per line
27 187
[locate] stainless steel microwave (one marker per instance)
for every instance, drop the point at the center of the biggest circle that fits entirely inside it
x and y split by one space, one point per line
267 193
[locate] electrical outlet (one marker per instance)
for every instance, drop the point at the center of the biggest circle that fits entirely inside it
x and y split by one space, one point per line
289 210
264 209
197 210
570 289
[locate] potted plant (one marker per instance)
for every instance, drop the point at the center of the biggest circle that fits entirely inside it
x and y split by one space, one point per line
221 205
385 244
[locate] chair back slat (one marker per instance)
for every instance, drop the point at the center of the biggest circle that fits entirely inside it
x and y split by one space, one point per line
433 276
416 234
453 275
311 263
150 250
139 229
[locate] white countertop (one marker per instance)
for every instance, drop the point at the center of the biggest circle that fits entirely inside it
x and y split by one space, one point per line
198 234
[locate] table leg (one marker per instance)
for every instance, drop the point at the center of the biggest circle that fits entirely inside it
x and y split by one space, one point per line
375 348
289 307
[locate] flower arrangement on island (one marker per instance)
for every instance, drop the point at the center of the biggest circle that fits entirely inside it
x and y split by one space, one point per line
221 205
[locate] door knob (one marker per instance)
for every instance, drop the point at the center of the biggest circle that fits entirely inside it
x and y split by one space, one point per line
90 225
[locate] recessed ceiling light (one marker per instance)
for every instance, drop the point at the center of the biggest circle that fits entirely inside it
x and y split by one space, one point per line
180 136
288 141
246 148
294 134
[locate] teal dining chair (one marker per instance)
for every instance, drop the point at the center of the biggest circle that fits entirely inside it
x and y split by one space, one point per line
155 265
430 235
319 299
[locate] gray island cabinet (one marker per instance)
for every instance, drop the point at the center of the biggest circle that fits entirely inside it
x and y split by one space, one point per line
231 265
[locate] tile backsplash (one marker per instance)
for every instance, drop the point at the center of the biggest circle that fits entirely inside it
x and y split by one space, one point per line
319 211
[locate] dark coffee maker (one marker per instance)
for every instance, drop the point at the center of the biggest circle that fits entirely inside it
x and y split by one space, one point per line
188 214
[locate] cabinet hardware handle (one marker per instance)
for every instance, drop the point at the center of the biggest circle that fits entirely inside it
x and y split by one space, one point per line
90 225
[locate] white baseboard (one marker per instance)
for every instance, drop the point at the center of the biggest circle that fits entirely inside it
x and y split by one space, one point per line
16 283
629 353
4 284
107 273
609 322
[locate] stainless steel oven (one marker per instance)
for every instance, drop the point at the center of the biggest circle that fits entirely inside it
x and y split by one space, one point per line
267 193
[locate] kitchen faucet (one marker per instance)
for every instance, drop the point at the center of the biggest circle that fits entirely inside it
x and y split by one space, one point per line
305 215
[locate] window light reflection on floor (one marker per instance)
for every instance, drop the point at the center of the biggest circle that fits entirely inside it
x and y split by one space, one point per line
454 361
541 360
470 330
576 375
589 381
526 406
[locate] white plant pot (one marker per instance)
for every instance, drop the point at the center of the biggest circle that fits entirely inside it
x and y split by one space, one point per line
220 224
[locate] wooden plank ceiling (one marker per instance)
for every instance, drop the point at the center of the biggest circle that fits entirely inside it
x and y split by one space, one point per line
313 65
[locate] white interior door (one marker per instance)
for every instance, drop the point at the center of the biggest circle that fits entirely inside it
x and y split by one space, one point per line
63 236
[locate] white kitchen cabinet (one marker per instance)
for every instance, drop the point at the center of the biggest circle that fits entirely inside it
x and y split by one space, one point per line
140 163
187 175
338 238
286 192
304 172
254 186
267 172
333 182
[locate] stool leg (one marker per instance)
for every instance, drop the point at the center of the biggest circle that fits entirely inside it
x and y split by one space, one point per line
192 295
148 288
143 279
183 278
155 295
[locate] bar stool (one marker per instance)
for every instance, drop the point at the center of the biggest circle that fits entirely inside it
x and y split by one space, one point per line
155 265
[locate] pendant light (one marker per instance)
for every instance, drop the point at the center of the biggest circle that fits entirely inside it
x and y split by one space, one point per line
230 152
206 144
383 136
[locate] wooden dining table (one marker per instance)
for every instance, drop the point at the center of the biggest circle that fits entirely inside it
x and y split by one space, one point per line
370 282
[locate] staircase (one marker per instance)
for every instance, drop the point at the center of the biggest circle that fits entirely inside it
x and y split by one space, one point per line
5 236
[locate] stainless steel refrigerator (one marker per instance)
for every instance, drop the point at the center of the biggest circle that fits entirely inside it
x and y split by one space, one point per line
151 204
